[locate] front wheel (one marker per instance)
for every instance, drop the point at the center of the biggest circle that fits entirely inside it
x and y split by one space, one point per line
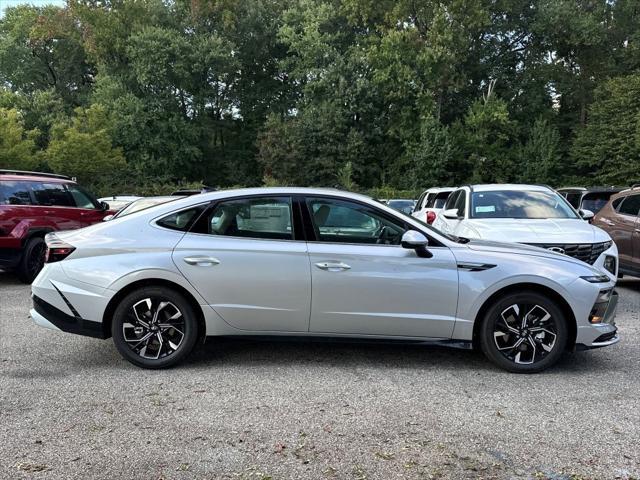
154 327
524 333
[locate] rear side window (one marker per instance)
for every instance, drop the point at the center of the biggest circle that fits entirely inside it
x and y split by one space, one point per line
181 220
440 199
631 205
15 193
52 194
421 201
263 218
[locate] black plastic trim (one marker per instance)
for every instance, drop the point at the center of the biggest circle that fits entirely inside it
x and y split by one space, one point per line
68 323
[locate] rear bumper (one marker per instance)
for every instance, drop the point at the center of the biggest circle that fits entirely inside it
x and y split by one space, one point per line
10 257
46 315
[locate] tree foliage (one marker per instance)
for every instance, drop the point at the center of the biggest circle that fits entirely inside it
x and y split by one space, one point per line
357 93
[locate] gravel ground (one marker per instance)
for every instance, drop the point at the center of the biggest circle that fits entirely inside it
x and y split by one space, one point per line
71 407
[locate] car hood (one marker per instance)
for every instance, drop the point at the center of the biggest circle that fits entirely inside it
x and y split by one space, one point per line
520 249
547 230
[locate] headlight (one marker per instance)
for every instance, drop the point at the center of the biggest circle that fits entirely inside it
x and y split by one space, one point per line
610 264
596 278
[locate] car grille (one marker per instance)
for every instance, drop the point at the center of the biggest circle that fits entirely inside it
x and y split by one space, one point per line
587 252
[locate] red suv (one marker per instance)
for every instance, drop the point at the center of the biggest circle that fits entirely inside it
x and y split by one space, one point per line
33 204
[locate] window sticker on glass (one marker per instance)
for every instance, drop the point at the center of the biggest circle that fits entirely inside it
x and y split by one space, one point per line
485 209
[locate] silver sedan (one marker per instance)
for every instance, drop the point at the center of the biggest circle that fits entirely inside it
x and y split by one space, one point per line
314 263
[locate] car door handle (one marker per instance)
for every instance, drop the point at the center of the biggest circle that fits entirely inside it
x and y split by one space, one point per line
201 261
333 266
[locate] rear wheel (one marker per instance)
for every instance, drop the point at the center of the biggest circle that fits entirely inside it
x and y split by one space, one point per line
154 327
32 259
524 333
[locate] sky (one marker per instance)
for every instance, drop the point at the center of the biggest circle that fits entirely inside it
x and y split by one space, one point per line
12 3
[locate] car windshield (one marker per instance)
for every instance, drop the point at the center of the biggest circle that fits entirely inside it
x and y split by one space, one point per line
520 204
143 204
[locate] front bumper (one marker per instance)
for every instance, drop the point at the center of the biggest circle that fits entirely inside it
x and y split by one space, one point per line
601 334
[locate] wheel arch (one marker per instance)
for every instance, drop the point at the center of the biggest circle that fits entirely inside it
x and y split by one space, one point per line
536 287
107 317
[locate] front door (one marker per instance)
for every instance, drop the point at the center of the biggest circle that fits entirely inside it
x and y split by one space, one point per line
243 259
365 283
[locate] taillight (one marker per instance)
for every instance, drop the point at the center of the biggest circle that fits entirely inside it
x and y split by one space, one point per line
431 216
56 249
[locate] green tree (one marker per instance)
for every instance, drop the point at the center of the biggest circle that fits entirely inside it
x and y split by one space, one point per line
607 150
17 145
82 147
541 154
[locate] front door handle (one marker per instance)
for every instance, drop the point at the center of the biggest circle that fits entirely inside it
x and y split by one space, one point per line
201 261
333 266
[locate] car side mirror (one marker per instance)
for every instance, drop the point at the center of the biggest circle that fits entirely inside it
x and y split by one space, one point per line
414 240
451 214
104 206
107 218
586 214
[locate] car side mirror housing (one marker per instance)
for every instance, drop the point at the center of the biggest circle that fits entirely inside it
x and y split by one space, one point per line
414 240
451 214
586 214
104 206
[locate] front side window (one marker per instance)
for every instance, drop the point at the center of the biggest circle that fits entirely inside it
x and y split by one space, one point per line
265 218
519 204
81 198
15 192
574 199
52 194
340 221
452 199
595 201
461 203
630 205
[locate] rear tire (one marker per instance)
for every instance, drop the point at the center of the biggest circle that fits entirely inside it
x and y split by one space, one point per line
32 259
524 332
154 327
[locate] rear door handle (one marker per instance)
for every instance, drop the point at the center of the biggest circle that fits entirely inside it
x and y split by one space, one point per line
201 261
333 266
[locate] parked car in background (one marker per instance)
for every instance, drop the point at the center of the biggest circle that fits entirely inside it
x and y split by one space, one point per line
118 202
531 214
402 205
306 262
141 204
620 217
33 204
591 198
430 203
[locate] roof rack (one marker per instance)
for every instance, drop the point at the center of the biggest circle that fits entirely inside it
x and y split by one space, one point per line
40 174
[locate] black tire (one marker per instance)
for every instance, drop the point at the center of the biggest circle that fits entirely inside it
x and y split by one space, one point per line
130 327
32 259
540 343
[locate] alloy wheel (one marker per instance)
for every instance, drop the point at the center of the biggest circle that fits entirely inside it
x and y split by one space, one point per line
525 333
35 262
155 328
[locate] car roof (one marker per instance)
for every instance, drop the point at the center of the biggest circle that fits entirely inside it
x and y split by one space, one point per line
493 187
440 189
590 189
33 178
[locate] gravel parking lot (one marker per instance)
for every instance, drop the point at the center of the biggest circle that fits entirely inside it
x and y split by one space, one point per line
71 407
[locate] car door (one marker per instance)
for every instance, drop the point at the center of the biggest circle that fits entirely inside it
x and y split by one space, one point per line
365 283
88 210
56 204
624 229
244 258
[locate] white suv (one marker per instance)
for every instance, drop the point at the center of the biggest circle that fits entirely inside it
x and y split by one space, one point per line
532 214
430 203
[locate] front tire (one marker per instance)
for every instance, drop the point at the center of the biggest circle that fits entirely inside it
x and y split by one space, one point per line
32 260
524 332
154 327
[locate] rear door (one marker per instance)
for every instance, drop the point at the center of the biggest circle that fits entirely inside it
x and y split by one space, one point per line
249 263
